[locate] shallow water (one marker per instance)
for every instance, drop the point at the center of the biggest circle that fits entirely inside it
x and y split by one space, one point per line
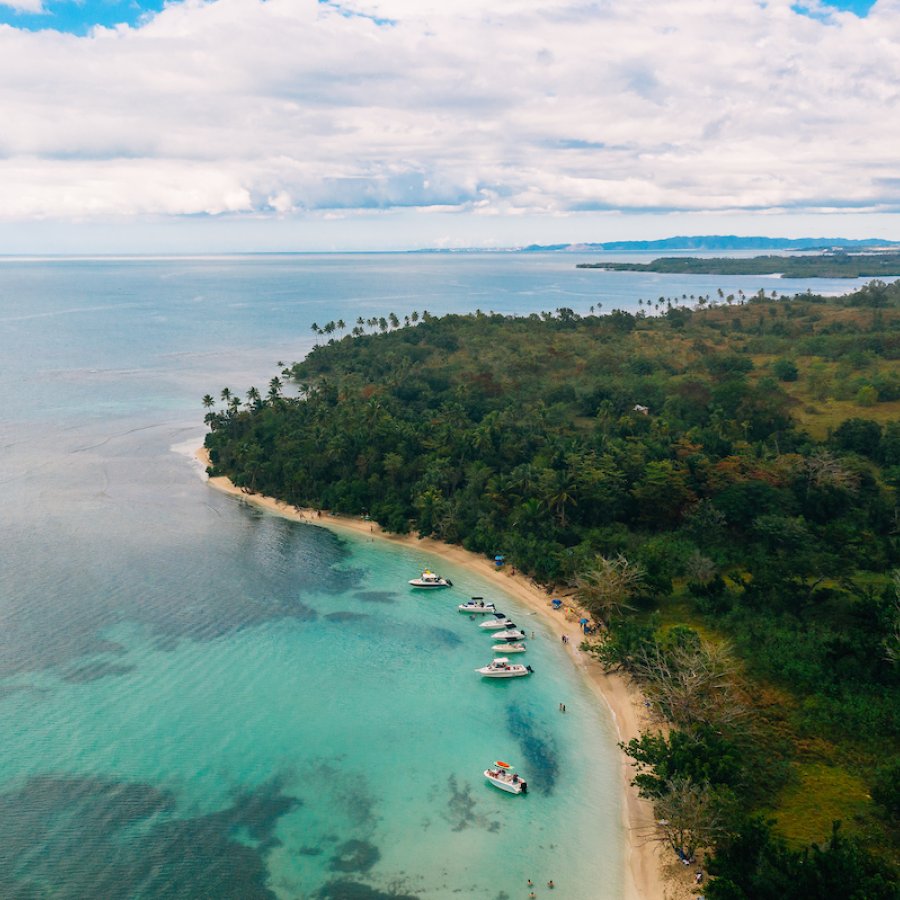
197 699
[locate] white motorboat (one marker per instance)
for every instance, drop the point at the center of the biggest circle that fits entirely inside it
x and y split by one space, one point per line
499 620
503 668
509 648
429 580
501 775
511 634
477 606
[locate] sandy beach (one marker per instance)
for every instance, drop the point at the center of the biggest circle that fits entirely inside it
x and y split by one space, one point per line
649 873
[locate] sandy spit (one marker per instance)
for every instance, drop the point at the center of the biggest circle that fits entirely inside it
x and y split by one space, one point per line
650 873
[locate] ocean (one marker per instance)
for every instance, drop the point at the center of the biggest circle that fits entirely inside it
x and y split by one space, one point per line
198 699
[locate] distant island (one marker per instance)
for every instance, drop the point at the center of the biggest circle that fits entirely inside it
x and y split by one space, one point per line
708 243
827 265
717 242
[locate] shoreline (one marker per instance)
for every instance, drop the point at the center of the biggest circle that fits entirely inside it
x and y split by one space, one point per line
646 875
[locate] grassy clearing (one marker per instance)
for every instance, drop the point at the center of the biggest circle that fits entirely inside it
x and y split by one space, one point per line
819 417
820 795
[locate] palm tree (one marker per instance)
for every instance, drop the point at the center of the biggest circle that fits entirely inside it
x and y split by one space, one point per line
392 318
275 389
208 401
315 330
226 394
253 397
560 494
341 325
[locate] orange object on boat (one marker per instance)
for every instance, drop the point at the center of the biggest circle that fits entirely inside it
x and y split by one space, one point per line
503 765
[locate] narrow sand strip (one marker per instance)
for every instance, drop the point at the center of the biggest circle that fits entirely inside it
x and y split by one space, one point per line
645 878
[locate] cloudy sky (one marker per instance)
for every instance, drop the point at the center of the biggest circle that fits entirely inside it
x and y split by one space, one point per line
297 124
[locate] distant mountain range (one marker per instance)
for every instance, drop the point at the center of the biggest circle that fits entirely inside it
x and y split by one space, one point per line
695 243
715 242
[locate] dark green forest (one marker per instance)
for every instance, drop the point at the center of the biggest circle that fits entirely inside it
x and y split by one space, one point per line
832 265
717 486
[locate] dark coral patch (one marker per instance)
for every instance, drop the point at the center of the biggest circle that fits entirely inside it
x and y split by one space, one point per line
92 837
354 856
95 671
353 890
344 616
538 751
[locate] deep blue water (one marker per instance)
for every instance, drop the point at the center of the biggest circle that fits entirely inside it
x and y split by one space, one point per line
197 699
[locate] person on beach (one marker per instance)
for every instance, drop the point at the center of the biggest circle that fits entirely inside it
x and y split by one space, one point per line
550 884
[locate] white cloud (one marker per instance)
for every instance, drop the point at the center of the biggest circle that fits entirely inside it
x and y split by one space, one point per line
29 6
515 107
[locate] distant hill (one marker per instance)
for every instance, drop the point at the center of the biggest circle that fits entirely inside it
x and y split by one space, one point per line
716 242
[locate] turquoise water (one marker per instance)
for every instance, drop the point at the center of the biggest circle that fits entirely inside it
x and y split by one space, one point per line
199 700
355 729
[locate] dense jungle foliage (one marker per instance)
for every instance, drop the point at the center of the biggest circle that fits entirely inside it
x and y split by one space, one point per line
832 265
718 486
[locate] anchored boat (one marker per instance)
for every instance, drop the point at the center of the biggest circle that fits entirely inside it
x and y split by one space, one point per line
499 620
477 606
509 648
429 580
511 634
503 668
501 775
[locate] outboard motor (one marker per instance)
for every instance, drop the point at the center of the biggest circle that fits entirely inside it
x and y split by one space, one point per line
524 786
530 669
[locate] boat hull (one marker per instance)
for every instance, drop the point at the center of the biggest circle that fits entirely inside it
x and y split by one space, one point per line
509 636
509 786
511 672
509 648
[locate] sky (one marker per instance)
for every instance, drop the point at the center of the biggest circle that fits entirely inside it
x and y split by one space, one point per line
229 125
